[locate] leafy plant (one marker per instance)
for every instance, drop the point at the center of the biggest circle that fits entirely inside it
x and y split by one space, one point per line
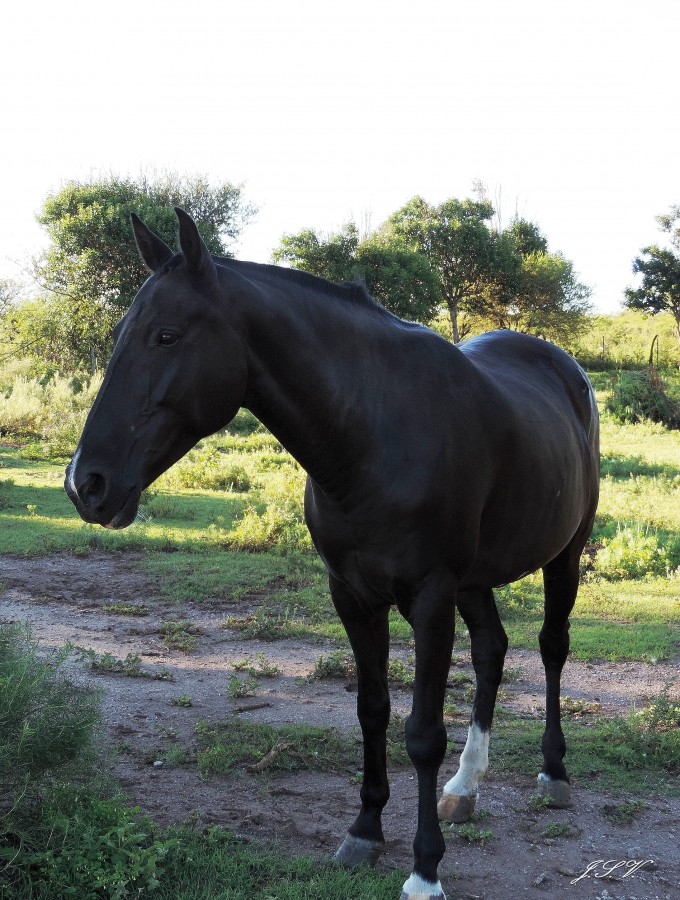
638 396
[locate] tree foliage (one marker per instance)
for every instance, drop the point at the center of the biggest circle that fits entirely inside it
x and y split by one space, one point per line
534 291
402 281
660 270
91 271
456 240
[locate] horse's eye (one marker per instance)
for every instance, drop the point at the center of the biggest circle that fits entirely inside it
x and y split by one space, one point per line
167 338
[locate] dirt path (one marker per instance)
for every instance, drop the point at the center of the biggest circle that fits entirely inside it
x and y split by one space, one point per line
62 597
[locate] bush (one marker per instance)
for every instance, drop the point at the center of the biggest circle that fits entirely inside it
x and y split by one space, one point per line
640 396
206 468
53 410
46 722
633 552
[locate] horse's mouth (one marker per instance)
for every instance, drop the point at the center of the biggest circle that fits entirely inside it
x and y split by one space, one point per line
127 514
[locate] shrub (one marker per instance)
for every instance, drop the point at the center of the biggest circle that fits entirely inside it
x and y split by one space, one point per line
640 396
206 468
633 552
46 722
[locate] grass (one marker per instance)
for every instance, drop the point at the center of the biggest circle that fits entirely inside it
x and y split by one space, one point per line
608 754
234 743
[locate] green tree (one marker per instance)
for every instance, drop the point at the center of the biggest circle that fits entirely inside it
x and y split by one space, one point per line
92 270
401 280
660 270
456 240
533 291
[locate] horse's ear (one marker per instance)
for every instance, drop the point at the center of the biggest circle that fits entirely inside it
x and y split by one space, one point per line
197 255
152 249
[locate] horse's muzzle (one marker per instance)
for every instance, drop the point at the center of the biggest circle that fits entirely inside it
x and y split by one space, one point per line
97 501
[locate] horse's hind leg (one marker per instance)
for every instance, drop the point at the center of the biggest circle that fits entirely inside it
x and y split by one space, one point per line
488 645
369 637
560 580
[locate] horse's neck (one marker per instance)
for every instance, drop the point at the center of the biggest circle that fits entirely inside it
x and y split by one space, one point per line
312 374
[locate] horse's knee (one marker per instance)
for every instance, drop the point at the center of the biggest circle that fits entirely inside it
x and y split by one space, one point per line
425 743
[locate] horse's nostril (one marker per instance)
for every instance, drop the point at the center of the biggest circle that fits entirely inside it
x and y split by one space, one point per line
92 490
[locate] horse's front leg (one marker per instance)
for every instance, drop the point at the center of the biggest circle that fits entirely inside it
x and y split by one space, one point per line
432 616
368 634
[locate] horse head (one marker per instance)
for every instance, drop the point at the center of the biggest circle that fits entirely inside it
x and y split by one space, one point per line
177 373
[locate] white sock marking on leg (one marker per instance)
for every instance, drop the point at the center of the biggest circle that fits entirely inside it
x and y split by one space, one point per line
474 761
418 887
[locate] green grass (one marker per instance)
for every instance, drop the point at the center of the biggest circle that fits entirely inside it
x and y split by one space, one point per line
607 754
225 746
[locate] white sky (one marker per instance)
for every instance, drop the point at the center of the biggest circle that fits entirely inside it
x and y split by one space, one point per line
333 110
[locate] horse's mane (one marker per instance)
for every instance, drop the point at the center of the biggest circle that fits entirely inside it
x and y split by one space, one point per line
348 291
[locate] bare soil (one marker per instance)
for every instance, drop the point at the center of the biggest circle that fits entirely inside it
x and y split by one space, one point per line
307 813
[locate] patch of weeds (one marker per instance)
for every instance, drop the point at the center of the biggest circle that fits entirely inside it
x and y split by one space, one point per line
225 746
512 674
558 829
125 609
338 664
459 680
452 712
266 626
176 756
577 709
109 664
180 636
623 813
260 667
640 396
242 687
183 701
400 674
470 833
537 803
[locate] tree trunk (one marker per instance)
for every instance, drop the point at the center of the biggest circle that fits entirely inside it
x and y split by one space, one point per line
452 304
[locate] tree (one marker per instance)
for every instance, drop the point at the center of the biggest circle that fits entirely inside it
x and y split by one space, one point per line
660 270
402 281
92 270
458 243
534 291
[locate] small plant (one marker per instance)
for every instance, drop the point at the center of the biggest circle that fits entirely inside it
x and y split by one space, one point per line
109 664
537 803
511 675
577 709
624 813
398 673
242 688
31 507
179 636
259 668
470 833
338 664
557 829
125 609
183 701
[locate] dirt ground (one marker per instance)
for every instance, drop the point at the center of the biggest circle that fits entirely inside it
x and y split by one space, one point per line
308 813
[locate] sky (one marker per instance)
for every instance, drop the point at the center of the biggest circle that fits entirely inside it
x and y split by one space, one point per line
331 111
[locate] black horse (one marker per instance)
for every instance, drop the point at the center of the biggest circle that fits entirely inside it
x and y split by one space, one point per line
435 473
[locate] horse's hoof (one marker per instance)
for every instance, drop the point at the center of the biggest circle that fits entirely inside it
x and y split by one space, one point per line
456 808
356 851
556 791
416 888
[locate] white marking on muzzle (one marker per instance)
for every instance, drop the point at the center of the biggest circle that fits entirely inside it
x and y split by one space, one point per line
72 472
